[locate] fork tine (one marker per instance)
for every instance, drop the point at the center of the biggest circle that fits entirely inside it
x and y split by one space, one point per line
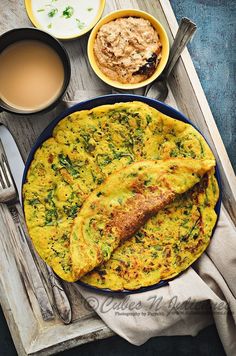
3 182
6 170
5 177
7 188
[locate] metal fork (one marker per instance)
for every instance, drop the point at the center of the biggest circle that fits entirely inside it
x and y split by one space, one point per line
7 189
9 196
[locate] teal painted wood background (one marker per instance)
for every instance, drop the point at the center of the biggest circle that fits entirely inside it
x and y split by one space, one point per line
213 53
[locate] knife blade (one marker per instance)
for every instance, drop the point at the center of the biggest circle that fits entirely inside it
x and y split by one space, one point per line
16 165
14 158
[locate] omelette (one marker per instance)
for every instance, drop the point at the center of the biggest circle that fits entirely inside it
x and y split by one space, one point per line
85 148
118 208
165 246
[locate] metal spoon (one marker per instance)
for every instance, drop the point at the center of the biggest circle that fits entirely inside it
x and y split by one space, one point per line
158 89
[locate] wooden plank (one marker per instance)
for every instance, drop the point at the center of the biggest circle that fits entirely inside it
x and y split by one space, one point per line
13 291
67 336
31 335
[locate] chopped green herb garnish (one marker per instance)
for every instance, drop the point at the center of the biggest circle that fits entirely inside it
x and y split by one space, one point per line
68 165
89 8
149 119
34 201
173 153
100 180
175 248
138 239
80 24
158 247
50 216
68 12
106 251
71 211
147 181
50 25
53 12
103 159
40 10
140 234
119 155
134 174
85 136
88 146
50 197
154 254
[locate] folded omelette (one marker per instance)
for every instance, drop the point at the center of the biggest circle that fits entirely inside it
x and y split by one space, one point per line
166 245
87 147
118 208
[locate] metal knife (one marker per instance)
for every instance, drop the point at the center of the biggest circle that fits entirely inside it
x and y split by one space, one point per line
17 166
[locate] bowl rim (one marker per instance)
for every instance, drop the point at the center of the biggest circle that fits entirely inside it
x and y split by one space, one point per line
107 100
36 23
126 13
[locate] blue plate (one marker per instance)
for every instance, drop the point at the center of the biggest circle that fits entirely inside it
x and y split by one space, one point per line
112 99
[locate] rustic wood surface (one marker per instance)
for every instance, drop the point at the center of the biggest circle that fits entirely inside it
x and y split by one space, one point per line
30 333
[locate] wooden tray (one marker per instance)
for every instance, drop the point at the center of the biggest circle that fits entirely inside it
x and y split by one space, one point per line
32 335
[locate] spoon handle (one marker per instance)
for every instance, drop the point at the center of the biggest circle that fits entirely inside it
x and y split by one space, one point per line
184 34
61 300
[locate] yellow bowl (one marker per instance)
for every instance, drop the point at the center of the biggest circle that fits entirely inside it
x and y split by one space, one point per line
37 24
126 13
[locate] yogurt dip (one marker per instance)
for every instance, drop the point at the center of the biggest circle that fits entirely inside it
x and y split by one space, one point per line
65 19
